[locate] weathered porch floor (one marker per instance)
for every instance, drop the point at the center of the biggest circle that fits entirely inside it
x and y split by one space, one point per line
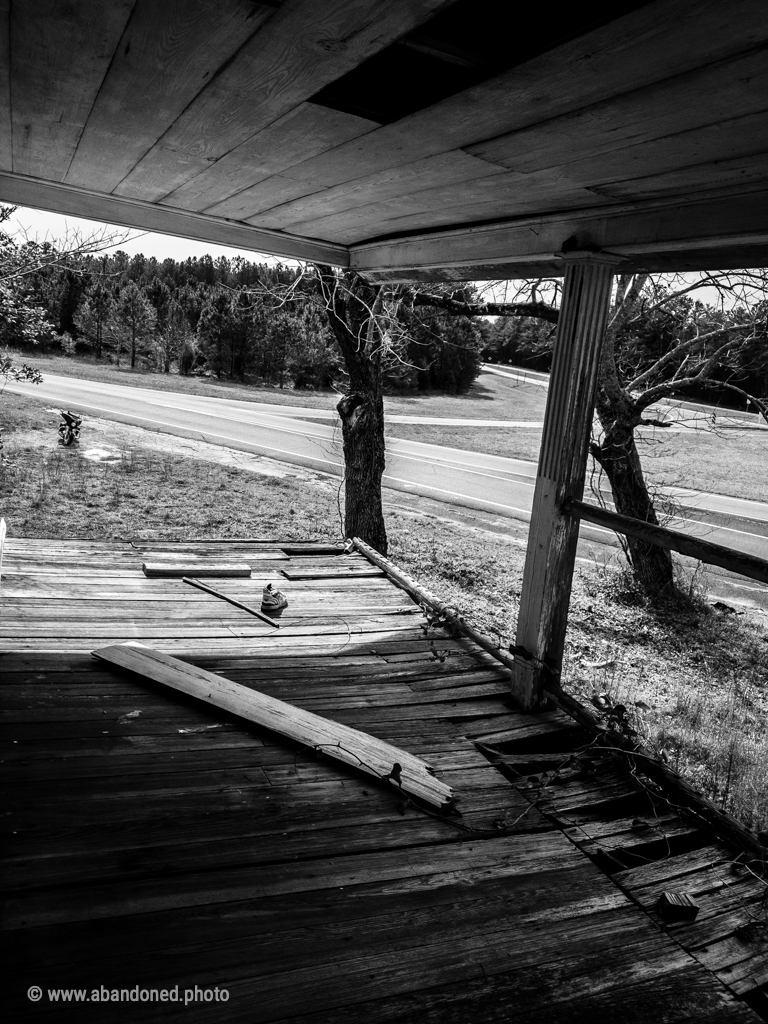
155 842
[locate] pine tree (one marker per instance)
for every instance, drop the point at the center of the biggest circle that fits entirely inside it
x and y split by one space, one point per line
93 315
135 320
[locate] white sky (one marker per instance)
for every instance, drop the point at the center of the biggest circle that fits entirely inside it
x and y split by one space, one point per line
54 227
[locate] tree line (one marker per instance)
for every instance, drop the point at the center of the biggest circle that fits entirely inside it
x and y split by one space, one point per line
228 316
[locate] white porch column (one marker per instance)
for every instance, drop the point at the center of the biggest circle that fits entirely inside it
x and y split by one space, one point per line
552 536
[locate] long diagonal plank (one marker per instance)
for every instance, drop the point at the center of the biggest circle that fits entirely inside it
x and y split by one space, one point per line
354 748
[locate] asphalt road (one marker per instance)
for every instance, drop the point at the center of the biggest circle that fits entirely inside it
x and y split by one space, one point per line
677 411
486 483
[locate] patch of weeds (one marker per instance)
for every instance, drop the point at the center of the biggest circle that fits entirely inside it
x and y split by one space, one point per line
53 492
711 729
619 585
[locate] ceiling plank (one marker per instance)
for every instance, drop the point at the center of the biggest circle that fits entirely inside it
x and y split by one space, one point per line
664 232
443 169
741 136
274 191
501 196
133 213
6 132
301 133
55 77
704 97
303 47
743 173
389 218
167 53
628 54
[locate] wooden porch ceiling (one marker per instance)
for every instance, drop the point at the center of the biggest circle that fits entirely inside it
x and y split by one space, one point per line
404 138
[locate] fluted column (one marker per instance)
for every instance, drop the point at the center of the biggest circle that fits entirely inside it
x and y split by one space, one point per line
553 536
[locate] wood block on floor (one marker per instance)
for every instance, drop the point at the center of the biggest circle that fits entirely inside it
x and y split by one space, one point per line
203 568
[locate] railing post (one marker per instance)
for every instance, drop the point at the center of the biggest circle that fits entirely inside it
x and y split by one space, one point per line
553 535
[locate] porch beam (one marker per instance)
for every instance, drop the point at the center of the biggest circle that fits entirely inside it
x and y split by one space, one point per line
553 534
135 213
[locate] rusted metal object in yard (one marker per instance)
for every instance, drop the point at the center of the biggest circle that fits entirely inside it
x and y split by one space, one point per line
69 430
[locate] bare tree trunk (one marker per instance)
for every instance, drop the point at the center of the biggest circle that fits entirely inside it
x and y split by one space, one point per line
350 308
362 425
618 455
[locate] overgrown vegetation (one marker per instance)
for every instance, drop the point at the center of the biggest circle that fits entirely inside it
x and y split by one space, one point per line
230 318
695 677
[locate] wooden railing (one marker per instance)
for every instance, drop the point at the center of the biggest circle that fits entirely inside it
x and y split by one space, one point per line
713 554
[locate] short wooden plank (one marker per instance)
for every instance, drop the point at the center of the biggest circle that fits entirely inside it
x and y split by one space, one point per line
314 549
354 748
187 568
330 573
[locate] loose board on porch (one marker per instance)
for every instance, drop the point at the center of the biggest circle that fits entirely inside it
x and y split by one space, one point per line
357 749
206 568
